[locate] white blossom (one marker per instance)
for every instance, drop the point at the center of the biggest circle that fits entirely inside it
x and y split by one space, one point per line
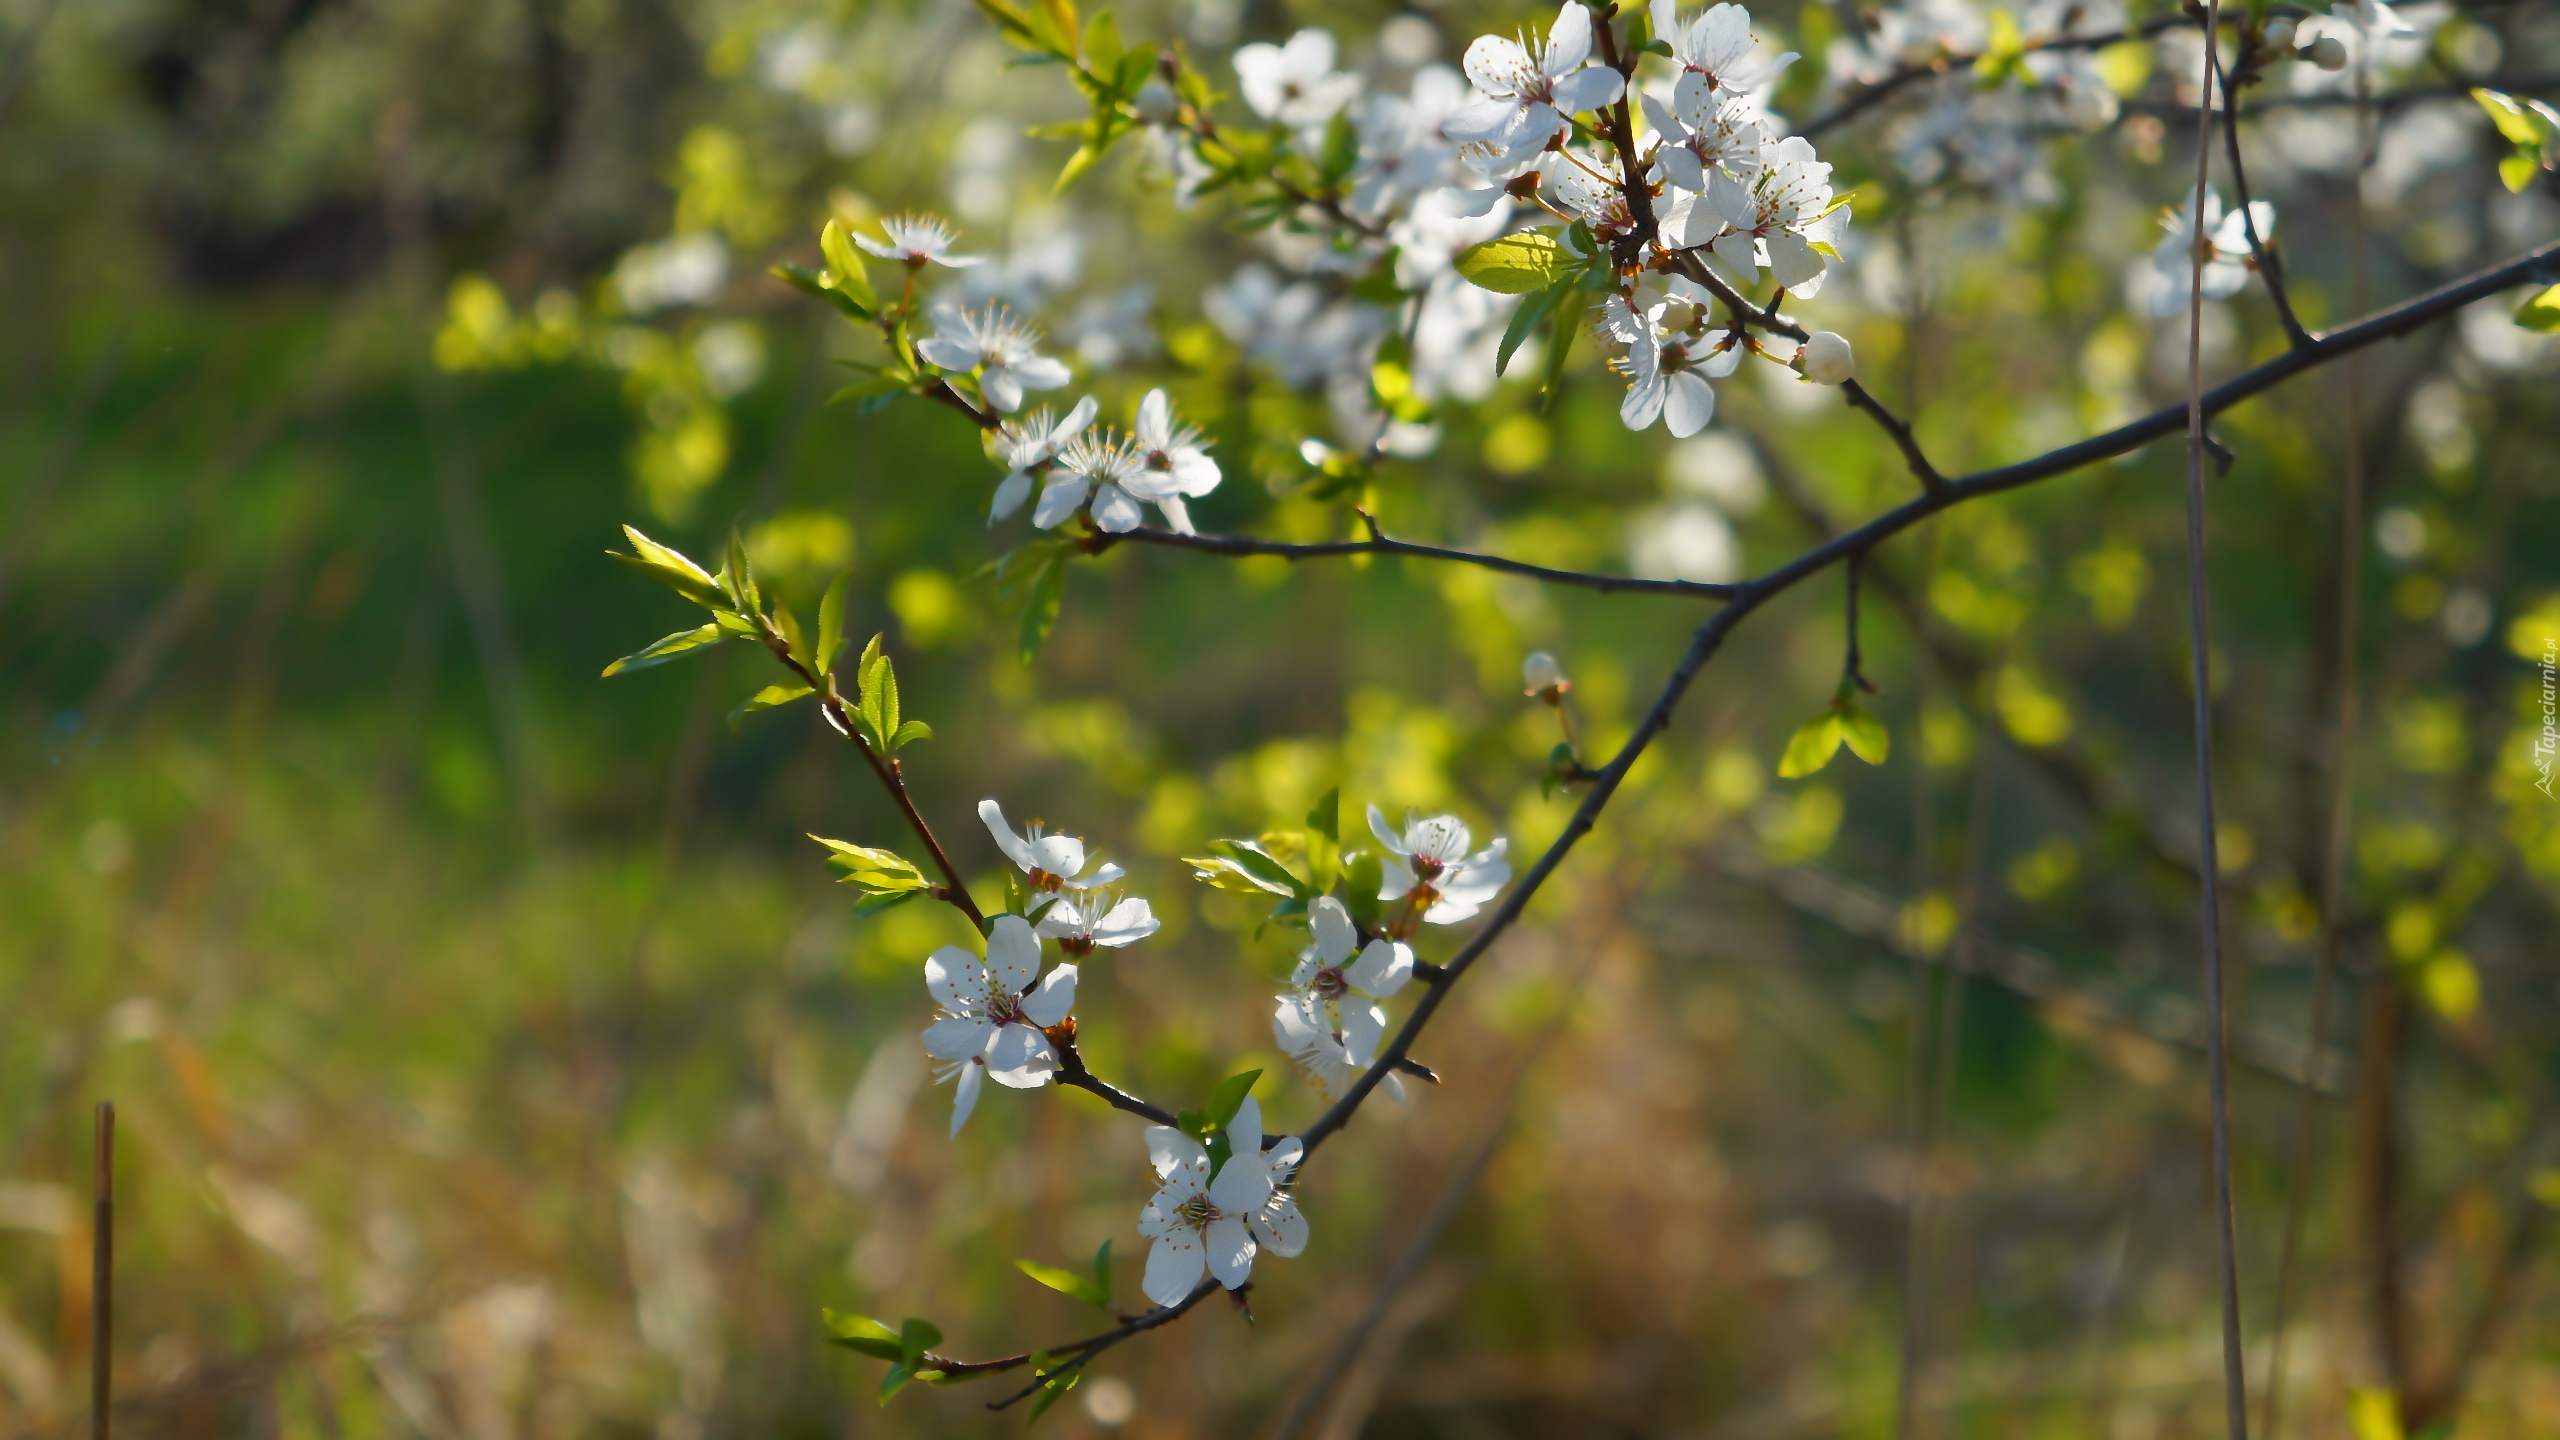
1107 472
1053 862
1295 83
1828 359
1710 132
1778 220
1670 356
1541 674
992 1014
1200 1223
1330 980
1403 153
1174 460
1002 348
1429 865
2225 246
1713 49
1532 89
1096 917
1028 445
917 241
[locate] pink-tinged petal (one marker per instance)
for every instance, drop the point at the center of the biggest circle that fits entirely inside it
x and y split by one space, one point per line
1386 833
1013 954
957 979
1280 1229
1172 1153
1116 510
1569 39
1130 921
965 1098
1335 936
1586 90
1382 969
1002 388
1174 1266
1056 996
957 1037
1364 1026
1038 1061
1058 504
1230 1250
1689 402
991 814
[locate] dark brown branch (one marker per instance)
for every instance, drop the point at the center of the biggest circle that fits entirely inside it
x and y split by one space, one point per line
1379 544
1071 1071
1084 1350
1752 595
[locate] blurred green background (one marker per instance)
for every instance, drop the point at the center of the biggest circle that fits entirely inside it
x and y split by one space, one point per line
495 1057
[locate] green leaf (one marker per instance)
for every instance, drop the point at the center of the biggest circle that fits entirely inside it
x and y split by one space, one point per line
896 1380
2517 172
877 901
1065 1282
1040 610
767 698
1102 1273
1326 818
1518 264
738 578
1864 734
1363 875
659 652
1263 867
882 870
2542 312
831 625
1228 1098
864 1334
669 567
795 644
917 1336
1526 318
1052 1391
845 274
880 697
2520 126
1224 874
814 282
1566 326
909 733
1812 747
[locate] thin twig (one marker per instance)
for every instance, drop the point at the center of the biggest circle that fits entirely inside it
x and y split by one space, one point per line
2235 1385
2333 868
2270 265
1379 544
102 1276
1884 88
1851 669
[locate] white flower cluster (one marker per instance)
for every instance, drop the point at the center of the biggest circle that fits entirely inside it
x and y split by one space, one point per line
1001 1019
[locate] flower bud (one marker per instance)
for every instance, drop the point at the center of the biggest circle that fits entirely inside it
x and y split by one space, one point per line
2328 52
1543 676
1828 359
2279 33
1154 102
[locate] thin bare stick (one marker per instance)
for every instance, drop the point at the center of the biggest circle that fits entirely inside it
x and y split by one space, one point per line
102 1276
1380 544
2333 867
2235 1383
2270 265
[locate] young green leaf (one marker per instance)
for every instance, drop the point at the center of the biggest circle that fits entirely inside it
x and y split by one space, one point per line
1525 319
1864 734
669 567
1265 869
864 1334
794 642
909 733
896 1380
1228 1098
831 625
872 869
917 1336
845 274
2542 312
1051 1391
1065 1282
1220 873
1326 818
1364 873
738 578
1812 747
1518 264
659 652
767 698
1102 1273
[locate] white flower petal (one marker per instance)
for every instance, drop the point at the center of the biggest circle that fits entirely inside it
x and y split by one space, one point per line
957 979
1386 833
1056 996
1335 936
1059 503
1569 39
1002 387
1689 402
1116 511
1015 489
1130 921
1039 372
1013 954
965 1098
1395 878
1280 1228
1230 1251
1104 876
1015 848
1020 1057
1174 1266
1170 1151
1586 90
957 1037
1382 969
1364 1025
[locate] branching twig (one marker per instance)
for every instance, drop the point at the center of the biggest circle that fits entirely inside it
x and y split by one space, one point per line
2270 265
1379 543
2235 1388
1884 88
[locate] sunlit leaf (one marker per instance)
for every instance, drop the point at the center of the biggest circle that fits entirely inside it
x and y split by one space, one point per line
2542 312
1065 1282
1864 734
831 625
669 567
1812 747
659 652
1518 264
862 1333
767 698
845 272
